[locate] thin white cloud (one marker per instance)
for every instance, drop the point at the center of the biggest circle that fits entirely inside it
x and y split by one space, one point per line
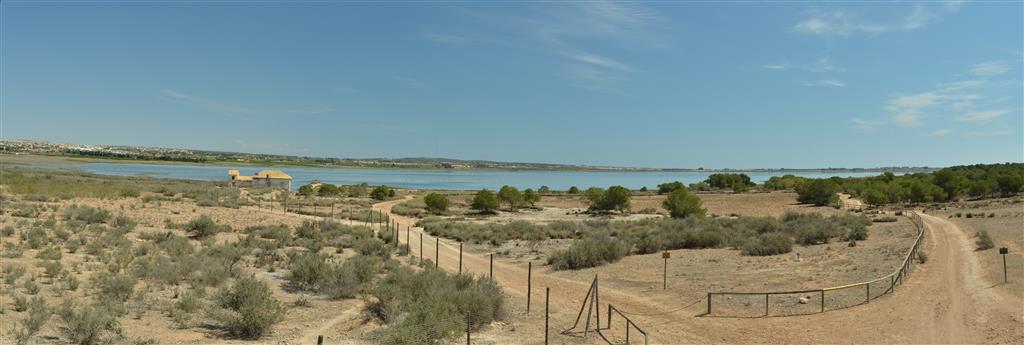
983 116
203 103
410 82
446 38
311 111
939 133
991 68
598 60
863 124
842 23
991 133
825 82
908 110
823 65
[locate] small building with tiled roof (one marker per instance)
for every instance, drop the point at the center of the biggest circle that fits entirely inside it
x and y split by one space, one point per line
264 178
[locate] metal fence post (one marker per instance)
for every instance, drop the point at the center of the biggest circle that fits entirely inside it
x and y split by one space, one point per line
529 285
547 300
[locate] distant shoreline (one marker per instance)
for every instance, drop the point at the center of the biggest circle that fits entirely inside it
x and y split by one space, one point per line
28 158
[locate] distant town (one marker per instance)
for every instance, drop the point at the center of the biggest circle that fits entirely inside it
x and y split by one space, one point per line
141 153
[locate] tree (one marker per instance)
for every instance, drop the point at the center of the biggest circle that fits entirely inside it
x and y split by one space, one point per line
328 189
819 192
531 197
681 204
573 190
380 192
437 203
736 182
307 190
617 198
1009 183
544 190
873 196
669 187
485 201
595 197
511 196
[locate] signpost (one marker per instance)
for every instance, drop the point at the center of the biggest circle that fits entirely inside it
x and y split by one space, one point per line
1004 251
664 281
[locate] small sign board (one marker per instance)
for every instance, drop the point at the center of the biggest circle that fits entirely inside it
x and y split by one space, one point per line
1004 250
666 255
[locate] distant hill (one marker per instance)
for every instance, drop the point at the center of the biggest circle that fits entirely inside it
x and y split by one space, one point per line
139 153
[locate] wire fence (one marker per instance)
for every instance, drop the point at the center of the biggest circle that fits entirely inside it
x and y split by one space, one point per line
810 301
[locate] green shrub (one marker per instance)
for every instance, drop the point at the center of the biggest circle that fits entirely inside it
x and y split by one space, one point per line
984 241
856 234
681 204
308 271
204 226
87 214
436 203
819 192
39 314
431 306
381 192
588 252
88 325
922 257
772 243
115 287
248 309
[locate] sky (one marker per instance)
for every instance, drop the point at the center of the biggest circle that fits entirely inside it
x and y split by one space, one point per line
659 84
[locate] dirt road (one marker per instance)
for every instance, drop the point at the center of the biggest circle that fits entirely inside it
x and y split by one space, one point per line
944 301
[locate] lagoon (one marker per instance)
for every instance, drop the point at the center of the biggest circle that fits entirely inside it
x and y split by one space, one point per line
441 179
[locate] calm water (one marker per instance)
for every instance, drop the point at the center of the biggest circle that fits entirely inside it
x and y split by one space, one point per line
432 179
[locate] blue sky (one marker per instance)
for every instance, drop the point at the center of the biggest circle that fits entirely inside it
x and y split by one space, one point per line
694 84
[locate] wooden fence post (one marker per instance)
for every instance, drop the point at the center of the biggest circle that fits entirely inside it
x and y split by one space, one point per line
437 252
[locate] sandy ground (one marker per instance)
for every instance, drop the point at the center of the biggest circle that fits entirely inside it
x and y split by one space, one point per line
946 300
718 203
951 299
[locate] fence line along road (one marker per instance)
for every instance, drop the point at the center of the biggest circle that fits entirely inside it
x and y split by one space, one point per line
890 280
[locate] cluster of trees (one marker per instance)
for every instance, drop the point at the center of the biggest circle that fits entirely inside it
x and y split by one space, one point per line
975 181
487 201
736 182
436 203
615 198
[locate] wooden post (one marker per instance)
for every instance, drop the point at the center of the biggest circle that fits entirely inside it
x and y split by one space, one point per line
765 304
529 284
627 332
460 259
823 300
319 340
664 275
437 252
421 249
547 301
467 329
709 304
490 273
407 237
867 297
